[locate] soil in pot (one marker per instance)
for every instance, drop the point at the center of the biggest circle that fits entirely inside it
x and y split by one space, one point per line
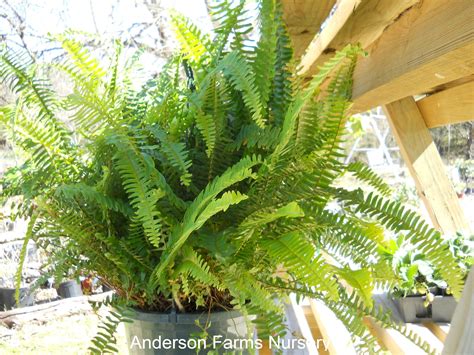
7 298
69 289
178 333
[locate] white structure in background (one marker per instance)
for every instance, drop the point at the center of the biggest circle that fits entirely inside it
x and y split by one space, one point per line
379 157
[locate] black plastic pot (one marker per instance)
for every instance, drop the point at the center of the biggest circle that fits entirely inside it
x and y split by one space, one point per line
412 309
151 332
69 289
106 288
7 298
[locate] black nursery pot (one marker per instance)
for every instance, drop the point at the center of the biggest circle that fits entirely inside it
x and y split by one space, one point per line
69 289
172 333
7 298
106 288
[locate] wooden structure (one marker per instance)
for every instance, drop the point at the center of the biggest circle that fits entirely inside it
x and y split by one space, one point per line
416 48
420 69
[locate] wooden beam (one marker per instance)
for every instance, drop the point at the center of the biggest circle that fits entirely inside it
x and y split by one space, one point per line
425 165
313 326
451 84
384 336
321 40
436 330
333 331
450 106
303 19
426 334
354 21
429 45
295 312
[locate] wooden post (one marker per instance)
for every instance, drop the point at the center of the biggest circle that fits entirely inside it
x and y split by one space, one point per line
425 165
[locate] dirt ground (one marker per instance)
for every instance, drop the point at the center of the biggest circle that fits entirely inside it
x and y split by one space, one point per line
69 334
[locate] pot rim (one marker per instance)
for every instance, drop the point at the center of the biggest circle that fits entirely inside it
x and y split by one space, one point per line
186 318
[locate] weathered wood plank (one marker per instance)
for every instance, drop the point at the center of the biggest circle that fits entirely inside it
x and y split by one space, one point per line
453 105
354 21
303 19
429 45
425 165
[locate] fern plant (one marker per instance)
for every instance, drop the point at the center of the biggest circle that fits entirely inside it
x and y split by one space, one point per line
211 186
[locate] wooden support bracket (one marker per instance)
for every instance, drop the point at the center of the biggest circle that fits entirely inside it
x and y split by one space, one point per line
453 105
425 165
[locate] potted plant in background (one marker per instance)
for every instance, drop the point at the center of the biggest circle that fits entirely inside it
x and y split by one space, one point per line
421 293
189 195
64 279
7 297
69 288
8 265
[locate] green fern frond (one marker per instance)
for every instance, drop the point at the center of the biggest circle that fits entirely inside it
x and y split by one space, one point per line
265 52
114 68
364 173
207 127
194 265
91 114
143 197
251 136
17 71
194 44
298 256
43 141
397 218
198 210
240 74
231 23
342 236
92 196
281 95
362 282
82 62
176 154
24 248
288 128
105 339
